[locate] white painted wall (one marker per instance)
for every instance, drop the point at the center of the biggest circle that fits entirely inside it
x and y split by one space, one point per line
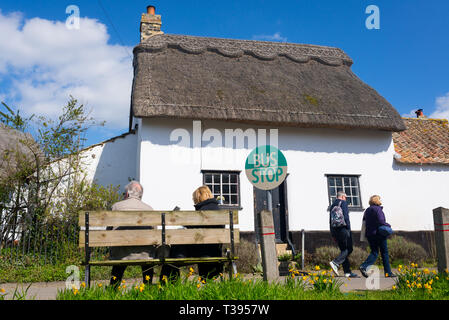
170 172
112 162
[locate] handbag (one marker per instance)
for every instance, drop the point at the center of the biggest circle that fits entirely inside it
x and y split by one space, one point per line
385 231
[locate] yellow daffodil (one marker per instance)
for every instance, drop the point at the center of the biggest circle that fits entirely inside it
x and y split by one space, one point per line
2 290
198 285
83 284
147 278
394 287
317 268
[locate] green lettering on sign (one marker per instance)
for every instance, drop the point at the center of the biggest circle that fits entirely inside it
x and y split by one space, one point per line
266 167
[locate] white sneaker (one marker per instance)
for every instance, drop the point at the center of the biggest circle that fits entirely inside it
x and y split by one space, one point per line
334 267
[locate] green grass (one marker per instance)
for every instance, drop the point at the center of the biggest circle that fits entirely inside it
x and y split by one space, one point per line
319 285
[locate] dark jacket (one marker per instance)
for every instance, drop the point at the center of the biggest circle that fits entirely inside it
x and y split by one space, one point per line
209 204
374 217
344 207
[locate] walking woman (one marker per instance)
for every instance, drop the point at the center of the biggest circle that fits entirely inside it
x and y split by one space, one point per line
374 218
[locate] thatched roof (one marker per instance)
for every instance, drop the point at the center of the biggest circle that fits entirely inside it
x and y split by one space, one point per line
16 151
255 82
426 141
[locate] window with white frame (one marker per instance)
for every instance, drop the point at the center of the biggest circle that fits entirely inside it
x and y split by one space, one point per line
225 186
349 184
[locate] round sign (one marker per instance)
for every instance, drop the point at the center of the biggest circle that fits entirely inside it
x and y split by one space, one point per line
266 167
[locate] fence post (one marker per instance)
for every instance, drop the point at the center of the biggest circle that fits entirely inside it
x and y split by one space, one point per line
441 221
87 250
268 246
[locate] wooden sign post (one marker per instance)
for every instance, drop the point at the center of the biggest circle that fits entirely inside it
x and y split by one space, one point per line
441 221
266 169
268 246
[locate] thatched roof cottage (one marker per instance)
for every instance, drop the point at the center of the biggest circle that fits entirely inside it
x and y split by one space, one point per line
200 105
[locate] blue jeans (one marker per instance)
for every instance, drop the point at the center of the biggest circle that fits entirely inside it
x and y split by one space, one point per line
377 243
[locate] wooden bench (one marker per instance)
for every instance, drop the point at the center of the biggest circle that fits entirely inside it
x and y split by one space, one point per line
159 235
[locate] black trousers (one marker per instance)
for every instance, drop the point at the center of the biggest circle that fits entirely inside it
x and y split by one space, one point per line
118 271
343 237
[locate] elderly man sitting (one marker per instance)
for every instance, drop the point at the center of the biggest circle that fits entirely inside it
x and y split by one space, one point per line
133 202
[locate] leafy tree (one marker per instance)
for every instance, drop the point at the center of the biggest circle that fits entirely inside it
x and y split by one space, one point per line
44 168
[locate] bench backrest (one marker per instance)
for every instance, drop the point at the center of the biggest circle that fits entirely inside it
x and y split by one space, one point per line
159 235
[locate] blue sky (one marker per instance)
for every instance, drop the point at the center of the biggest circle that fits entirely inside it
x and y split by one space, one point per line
406 60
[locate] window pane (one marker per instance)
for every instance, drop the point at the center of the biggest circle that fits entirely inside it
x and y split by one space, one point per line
354 191
217 178
233 188
349 201
348 191
332 191
353 181
216 189
331 182
233 178
225 188
356 202
226 199
338 182
346 181
207 178
234 200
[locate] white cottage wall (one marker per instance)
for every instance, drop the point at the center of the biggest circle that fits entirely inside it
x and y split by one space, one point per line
170 171
112 162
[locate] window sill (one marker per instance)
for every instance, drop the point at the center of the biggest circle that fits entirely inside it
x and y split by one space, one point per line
224 207
356 209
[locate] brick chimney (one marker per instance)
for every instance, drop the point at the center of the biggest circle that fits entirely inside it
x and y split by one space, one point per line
150 24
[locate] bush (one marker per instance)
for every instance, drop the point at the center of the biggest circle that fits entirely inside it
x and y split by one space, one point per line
404 251
325 254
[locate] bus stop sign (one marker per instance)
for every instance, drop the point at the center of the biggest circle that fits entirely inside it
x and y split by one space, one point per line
266 167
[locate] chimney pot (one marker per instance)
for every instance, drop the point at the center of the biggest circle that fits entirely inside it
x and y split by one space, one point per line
419 113
151 10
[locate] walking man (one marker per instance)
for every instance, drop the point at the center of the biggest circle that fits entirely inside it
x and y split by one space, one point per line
340 228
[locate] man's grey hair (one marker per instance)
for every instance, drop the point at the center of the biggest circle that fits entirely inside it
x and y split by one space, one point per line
134 189
341 194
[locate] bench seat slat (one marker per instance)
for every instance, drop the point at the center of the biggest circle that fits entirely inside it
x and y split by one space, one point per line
122 238
153 218
174 261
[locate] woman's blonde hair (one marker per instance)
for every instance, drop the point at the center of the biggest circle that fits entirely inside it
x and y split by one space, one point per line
201 194
375 200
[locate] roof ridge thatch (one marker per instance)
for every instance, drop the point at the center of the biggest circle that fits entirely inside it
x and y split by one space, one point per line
234 48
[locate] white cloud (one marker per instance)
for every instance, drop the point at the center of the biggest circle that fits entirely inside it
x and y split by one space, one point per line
442 107
44 62
274 37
